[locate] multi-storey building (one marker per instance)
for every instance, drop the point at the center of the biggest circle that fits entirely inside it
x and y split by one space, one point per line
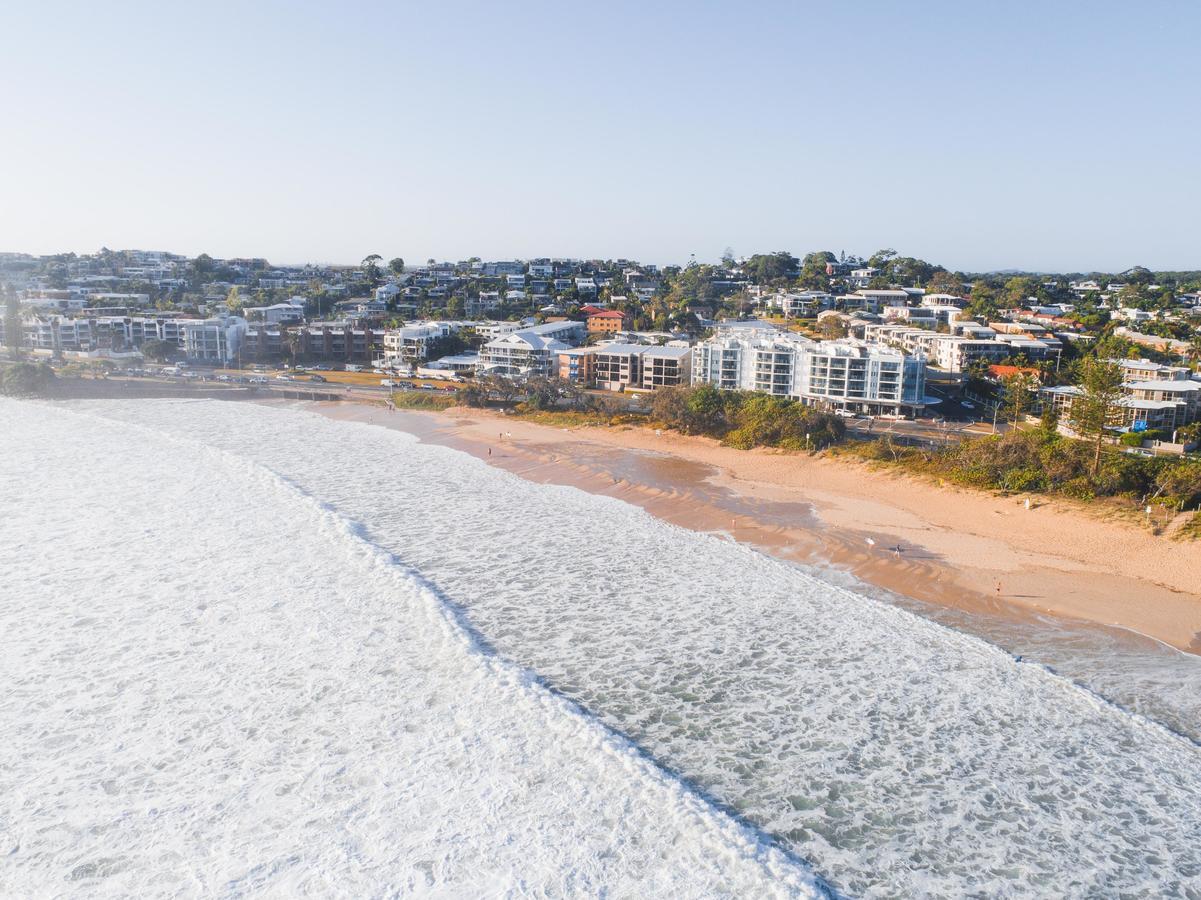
530 351
836 374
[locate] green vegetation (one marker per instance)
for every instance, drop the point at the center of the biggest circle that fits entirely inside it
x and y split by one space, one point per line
159 351
25 379
423 400
1043 461
743 419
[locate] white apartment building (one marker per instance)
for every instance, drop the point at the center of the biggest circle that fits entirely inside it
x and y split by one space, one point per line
1145 370
837 374
410 345
950 352
802 304
529 351
213 340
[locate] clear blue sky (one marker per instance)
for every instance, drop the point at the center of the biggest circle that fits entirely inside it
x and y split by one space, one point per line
1052 135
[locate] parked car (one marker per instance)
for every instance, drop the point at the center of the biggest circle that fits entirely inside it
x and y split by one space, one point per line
386 382
319 378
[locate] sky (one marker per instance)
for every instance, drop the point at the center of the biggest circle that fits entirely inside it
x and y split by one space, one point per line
1054 136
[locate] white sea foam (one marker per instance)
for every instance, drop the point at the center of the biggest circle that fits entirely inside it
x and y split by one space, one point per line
900 757
214 685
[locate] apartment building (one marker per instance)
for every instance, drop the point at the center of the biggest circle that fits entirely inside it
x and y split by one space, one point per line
1145 370
950 352
803 304
577 365
1183 394
340 342
835 374
529 352
666 367
619 366
409 346
214 341
607 321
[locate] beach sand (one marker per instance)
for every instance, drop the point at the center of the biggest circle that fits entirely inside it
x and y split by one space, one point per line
939 545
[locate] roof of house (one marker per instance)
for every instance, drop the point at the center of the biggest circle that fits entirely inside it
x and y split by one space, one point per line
607 314
668 352
1182 385
622 349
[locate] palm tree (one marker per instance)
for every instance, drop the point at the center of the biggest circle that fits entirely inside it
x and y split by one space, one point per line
1194 349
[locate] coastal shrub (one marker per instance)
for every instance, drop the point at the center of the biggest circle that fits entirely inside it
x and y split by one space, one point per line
744 419
423 400
1132 439
26 379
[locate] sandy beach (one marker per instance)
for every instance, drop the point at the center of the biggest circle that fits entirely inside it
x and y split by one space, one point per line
953 547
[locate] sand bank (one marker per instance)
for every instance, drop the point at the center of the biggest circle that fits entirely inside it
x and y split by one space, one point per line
953 547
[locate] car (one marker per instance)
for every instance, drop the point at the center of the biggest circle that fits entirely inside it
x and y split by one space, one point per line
318 378
283 378
967 404
844 414
258 379
387 382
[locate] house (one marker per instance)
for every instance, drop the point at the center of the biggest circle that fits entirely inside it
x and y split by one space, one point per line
607 321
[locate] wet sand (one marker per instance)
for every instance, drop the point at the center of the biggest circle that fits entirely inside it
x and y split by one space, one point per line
943 547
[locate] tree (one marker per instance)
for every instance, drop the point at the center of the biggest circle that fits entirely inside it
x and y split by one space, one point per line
705 411
832 328
26 379
371 270
396 266
1097 408
202 267
1194 349
159 351
1016 391
13 331
766 268
944 282
881 258
983 302
233 301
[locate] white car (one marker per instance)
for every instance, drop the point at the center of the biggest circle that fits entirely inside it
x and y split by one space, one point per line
386 382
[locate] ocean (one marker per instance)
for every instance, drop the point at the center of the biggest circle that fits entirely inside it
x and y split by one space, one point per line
254 650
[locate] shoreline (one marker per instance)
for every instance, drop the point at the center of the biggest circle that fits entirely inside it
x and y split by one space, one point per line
955 546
